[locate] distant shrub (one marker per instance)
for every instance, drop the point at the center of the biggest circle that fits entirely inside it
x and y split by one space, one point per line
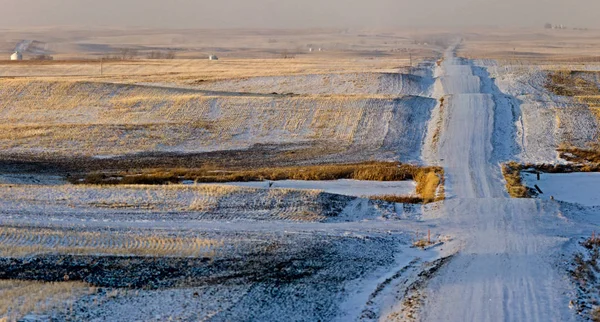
170 54
42 57
422 243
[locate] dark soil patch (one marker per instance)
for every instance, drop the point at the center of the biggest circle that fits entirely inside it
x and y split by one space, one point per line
163 272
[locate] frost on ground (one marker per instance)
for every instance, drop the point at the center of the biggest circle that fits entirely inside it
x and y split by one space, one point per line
504 269
351 83
584 270
292 252
356 188
84 118
542 120
198 202
301 275
225 252
252 254
580 188
31 179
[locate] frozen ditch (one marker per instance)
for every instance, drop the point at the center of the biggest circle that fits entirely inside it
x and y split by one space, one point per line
354 188
579 187
31 179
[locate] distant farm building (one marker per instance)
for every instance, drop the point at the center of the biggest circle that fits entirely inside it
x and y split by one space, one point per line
16 56
213 57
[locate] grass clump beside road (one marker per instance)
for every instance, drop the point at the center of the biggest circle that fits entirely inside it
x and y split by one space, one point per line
514 183
374 171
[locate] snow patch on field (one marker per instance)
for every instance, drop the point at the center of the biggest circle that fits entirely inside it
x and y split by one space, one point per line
356 188
352 83
541 119
93 205
31 179
579 187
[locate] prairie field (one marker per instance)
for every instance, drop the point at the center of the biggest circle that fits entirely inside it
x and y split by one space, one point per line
322 174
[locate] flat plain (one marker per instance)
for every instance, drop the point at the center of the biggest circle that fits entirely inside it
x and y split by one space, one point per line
305 175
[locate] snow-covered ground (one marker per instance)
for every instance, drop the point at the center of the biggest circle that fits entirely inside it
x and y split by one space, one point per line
352 83
265 270
298 251
504 270
307 255
31 179
356 188
541 120
115 119
581 187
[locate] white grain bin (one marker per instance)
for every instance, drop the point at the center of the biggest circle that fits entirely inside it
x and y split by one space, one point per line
16 56
213 57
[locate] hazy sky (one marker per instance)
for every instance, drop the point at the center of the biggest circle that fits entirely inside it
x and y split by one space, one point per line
300 13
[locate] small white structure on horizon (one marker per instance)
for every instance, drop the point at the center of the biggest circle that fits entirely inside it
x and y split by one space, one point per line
16 56
213 57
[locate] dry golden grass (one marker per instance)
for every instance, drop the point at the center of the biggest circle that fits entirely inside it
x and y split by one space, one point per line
19 298
582 87
429 179
514 184
195 71
422 243
590 158
429 185
398 199
439 124
108 119
571 83
207 201
374 171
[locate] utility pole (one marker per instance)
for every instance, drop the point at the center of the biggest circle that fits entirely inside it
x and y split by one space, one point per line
101 66
410 58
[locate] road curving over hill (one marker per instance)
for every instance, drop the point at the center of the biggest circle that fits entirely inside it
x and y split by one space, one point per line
503 270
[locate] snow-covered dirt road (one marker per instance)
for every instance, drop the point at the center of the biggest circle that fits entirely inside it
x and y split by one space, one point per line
504 270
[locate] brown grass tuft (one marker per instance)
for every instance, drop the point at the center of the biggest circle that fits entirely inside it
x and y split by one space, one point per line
374 171
427 185
422 243
398 199
514 183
